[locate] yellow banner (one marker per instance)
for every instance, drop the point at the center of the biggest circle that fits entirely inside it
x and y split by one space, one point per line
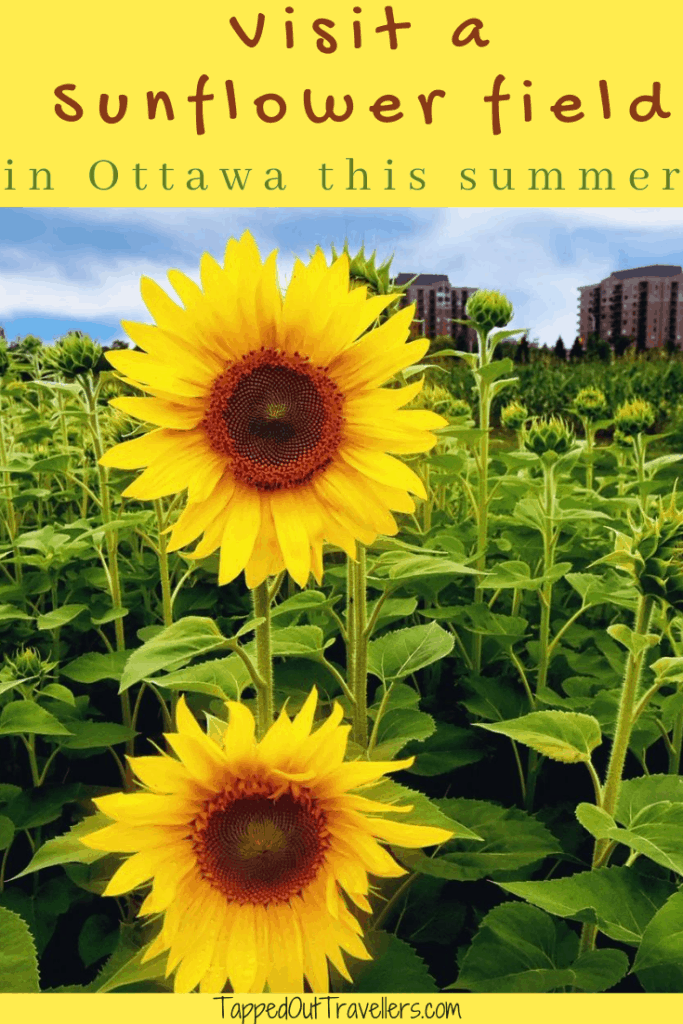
472 1009
330 104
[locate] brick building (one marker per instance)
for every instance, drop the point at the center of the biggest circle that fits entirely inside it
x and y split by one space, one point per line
644 304
438 305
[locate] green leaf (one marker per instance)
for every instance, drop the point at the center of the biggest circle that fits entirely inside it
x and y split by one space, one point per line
659 960
92 668
8 613
448 748
172 648
31 808
98 938
68 848
561 735
519 948
511 840
397 728
656 831
517 575
620 901
405 566
636 643
492 371
59 692
404 651
424 812
305 600
215 678
25 716
395 967
6 832
18 958
130 972
60 616
87 734
637 794
668 670
297 641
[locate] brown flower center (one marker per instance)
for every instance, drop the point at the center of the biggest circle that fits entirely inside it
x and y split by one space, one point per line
276 417
255 849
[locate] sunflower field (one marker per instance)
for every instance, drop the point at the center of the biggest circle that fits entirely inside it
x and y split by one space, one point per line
318 678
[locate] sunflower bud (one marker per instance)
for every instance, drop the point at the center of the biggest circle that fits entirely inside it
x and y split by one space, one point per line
622 440
439 399
119 427
364 273
590 404
75 355
514 415
549 434
634 417
26 665
653 553
489 309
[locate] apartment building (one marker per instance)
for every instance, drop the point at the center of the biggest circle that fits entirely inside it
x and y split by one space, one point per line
644 304
438 305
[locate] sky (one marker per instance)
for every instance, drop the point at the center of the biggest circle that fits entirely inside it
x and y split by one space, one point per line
65 269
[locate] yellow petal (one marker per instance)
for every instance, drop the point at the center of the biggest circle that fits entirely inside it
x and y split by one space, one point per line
240 529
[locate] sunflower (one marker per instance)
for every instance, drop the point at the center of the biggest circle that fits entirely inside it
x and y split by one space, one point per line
271 414
250 847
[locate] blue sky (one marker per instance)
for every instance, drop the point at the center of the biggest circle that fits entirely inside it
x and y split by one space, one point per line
62 269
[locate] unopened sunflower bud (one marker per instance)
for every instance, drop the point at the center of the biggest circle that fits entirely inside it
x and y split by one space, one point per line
653 553
590 403
75 355
514 415
364 272
439 399
458 407
622 440
634 417
489 309
549 434
26 664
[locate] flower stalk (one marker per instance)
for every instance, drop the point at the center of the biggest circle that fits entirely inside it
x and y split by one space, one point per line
264 658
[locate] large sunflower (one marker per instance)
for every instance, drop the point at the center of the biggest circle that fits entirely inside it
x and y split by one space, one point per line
250 847
271 412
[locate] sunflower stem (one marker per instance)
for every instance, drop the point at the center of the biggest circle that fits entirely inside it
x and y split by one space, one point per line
264 658
166 601
483 482
112 542
12 523
622 735
357 625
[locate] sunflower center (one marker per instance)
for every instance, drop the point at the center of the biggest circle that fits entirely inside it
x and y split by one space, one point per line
258 850
278 418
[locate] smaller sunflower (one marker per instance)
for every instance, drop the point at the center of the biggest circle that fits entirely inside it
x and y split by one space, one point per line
250 847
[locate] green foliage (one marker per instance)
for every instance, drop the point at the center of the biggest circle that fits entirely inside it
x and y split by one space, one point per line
520 949
18 961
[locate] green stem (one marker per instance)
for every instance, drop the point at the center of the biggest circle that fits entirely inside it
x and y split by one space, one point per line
30 744
360 674
546 592
166 604
622 736
676 743
639 447
111 540
482 489
590 445
12 524
264 658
